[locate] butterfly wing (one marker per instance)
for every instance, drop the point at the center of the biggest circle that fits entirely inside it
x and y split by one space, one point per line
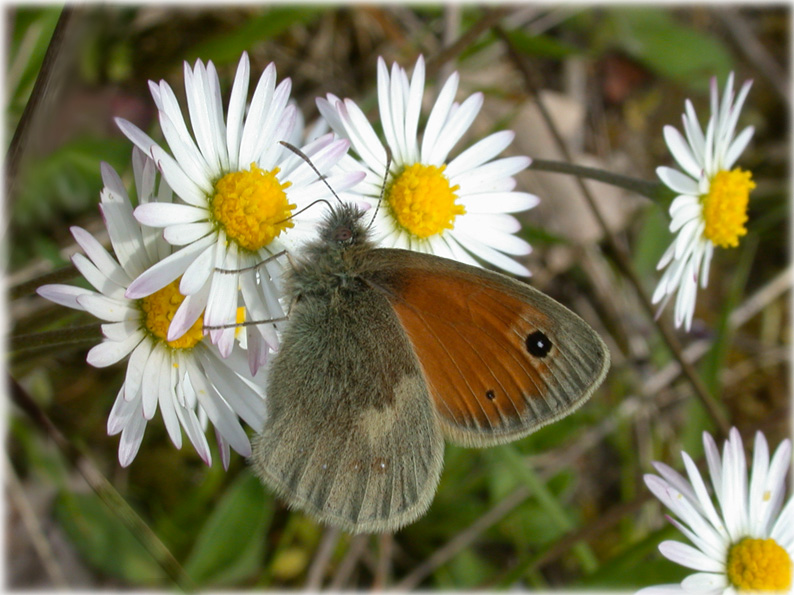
501 359
351 436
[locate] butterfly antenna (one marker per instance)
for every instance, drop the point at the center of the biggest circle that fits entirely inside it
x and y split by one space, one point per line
305 157
306 208
382 188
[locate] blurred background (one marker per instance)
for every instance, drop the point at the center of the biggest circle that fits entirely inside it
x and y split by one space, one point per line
563 508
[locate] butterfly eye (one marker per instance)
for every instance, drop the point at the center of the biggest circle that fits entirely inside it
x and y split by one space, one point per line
343 234
538 344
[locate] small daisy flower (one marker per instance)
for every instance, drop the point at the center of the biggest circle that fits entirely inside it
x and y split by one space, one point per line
711 208
457 208
185 378
748 544
239 188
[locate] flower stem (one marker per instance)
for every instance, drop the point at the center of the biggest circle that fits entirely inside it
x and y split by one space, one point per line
655 191
60 337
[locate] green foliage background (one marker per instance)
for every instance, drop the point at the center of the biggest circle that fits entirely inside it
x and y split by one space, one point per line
581 519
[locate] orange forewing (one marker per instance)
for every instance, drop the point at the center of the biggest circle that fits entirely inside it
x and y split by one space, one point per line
470 328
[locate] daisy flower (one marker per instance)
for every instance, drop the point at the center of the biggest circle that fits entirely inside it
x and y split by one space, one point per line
457 208
746 545
185 378
711 208
238 189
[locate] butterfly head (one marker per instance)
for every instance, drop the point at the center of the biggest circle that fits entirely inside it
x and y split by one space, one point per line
343 228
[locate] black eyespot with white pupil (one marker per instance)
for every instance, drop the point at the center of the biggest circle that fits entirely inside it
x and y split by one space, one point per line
538 344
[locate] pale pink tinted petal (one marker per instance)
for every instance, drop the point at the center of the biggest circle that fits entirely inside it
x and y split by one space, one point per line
188 313
218 411
131 438
150 385
241 397
135 367
167 400
199 271
65 295
120 413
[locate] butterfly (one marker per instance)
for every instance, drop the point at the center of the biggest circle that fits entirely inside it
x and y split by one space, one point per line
387 354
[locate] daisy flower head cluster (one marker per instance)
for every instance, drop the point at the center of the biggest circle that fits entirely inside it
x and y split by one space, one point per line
185 378
745 541
458 208
238 188
711 207
222 199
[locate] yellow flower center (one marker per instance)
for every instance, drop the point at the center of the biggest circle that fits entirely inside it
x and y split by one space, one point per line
422 201
759 565
725 207
159 309
252 206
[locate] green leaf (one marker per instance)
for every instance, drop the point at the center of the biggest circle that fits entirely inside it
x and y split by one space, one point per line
541 46
638 564
66 180
670 49
104 541
231 545
228 47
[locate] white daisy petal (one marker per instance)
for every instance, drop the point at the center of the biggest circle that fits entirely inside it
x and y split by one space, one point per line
706 583
243 399
104 262
167 403
686 555
181 235
412 111
362 137
438 117
677 181
195 433
135 367
218 411
158 214
737 147
480 152
105 308
177 179
187 155
188 312
125 237
455 128
108 353
121 413
65 295
236 112
131 438
681 151
150 384
97 278
167 270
